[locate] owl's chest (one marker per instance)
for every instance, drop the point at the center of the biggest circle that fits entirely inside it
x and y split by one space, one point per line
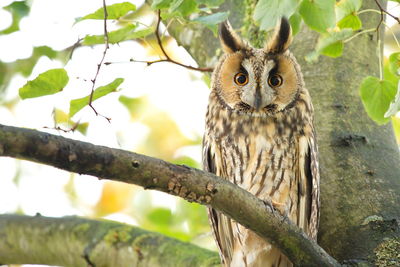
254 159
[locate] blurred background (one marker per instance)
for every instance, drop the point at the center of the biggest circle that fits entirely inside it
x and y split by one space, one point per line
158 111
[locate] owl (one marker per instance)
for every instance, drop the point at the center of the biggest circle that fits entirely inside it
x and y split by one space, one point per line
260 135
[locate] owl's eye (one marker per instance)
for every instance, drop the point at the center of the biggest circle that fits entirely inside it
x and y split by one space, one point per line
241 79
275 80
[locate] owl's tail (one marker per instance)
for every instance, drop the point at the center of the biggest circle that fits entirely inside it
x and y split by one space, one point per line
266 258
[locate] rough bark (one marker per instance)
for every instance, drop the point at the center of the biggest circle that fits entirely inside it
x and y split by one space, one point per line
188 183
360 171
359 160
73 241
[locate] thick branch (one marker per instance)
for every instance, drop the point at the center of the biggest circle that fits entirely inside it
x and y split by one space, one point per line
74 241
151 173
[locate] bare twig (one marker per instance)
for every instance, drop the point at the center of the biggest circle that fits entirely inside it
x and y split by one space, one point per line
384 11
58 128
170 61
164 52
379 24
74 46
101 62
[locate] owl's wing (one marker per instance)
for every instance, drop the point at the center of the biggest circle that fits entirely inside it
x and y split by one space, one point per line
221 225
308 188
313 164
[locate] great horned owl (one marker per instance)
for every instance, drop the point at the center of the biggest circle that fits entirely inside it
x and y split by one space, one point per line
260 136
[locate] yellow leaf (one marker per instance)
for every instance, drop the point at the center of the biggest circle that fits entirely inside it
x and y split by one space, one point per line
115 197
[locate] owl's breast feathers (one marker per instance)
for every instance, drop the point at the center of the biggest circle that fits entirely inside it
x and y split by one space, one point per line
272 156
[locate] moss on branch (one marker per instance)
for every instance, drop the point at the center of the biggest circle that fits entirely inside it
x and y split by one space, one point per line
74 241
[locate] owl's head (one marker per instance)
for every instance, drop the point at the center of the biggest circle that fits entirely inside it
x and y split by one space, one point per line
257 81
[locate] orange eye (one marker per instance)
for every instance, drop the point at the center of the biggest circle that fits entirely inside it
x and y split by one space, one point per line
241 79
275 80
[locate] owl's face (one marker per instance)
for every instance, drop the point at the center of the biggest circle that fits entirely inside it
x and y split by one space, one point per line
257 81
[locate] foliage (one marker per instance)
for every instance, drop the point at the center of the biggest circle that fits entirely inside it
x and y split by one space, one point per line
78 104
18 9
376 96
336 22
47 83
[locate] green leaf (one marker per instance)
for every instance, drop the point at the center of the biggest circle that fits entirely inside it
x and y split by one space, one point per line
176 8
60 117
77 104
26 65
134 105
126 33
210 3
161 4
268 12
82 127
195 216
114 11
187 161
396 128
175 5
347 7
395 105
18 10
211 21
47 83
295 22
319 15
160 216
185 8
376 96
394 63
330 44
350 21
334 50
387 73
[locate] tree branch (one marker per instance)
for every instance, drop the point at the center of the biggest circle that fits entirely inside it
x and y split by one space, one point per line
167 57
74 241
106 47
151 173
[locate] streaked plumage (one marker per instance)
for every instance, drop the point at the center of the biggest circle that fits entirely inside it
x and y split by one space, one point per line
260 136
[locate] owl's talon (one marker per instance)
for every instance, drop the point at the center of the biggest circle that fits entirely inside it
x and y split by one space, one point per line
281 207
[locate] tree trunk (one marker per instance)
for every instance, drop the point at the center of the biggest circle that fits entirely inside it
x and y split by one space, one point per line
360 174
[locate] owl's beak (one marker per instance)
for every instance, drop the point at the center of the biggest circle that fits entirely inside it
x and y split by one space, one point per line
255 98
257 101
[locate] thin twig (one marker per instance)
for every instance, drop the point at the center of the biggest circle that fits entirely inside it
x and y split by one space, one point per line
74 46
101 62
58 128
158 35
393 34
368 10
170 61
379 25
384 11
359 33
164 52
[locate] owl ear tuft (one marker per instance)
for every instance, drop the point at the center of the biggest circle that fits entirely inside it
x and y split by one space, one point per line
230 41
281 39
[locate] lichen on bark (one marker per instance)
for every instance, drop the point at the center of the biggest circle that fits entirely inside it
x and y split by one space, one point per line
387 253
